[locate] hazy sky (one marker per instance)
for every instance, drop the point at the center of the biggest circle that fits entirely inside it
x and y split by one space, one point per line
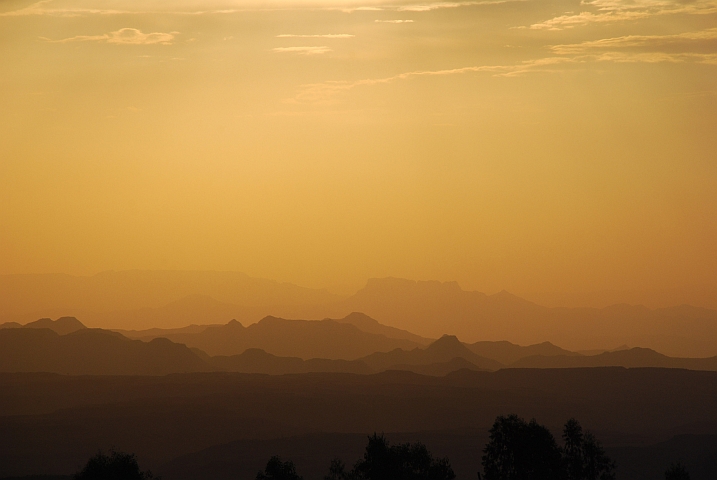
527 145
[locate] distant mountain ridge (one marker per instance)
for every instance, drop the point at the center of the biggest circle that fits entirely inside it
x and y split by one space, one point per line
432 309
71 348
330 339
507 353
427 309
254 360
631 358
135 296
445 349
61 326
92 352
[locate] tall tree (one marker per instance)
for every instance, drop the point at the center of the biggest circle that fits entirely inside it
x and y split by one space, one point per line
583 455
383 461
112 466
277 470
520 450
677 471
337 471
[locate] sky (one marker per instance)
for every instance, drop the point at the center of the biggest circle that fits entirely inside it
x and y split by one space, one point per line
529 145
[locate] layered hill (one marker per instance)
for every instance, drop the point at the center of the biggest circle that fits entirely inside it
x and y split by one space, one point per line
93 352
432 309
135 298
631 358
255 360
61 326
446 349
278 346
331 339
507 353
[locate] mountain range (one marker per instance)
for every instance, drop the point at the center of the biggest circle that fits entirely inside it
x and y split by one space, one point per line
279 346
93 352
428 309
333 339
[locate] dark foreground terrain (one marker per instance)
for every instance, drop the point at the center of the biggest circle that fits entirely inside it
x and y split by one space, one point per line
226 425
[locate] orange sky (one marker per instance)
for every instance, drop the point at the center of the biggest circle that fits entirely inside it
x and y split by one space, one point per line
533 146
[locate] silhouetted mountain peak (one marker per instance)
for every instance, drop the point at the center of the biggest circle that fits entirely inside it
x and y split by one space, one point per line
445 341
61 326
357 318
449 345
367 324
635 352
235 324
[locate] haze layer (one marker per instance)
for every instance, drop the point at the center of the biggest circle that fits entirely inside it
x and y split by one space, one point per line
527 145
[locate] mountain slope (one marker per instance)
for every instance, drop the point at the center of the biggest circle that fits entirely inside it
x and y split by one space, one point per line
443 350
291 338
507 353
92 352
61 326
432 309
369 325
128 297
254 360
632 358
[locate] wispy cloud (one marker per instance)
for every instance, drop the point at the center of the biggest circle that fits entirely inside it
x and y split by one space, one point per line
424 7
303 50
610 11
427 7
655 57
394 21
123 36
317 92
43 7
664 47
688 42
40 8
329 35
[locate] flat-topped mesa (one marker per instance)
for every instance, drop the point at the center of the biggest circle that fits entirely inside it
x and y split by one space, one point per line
393 285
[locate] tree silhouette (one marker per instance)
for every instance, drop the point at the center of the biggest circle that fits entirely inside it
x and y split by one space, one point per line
583 456
519 450
277 470
383 461
677 471
337 471
115 466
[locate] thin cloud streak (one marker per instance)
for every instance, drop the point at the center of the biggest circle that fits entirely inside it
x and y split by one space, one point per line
323 92
40 8
610 11
394 21
314 92
656 57
425 7
303 50
123 36
330 35
687 39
